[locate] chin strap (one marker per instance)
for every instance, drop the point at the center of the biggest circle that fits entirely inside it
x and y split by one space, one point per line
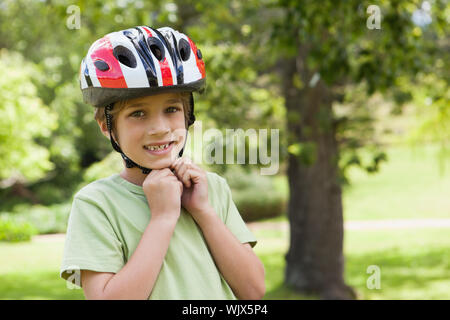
128 162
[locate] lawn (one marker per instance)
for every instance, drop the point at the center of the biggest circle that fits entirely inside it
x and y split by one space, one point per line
414 183
413 263
31 271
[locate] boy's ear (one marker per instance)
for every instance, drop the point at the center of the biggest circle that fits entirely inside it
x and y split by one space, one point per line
103 128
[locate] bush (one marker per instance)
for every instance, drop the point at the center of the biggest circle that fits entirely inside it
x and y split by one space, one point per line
257 204
46 219
111 164
49 194
15 231
256 196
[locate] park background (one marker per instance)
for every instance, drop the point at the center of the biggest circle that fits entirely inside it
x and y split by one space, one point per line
385 117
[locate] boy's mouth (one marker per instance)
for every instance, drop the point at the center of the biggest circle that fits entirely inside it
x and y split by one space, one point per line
158 146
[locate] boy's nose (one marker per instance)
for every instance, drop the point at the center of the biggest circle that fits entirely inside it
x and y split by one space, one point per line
158 127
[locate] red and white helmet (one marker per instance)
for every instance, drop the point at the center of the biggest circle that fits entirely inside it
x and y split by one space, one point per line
140 61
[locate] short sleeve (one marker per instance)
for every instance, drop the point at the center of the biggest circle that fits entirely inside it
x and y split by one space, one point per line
233 219
91 243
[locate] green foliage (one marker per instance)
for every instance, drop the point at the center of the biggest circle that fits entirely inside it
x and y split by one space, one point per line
23 118
111 164
330 41
78 142
49 194
43 219
56 52
433 111
51 219
255 196
306 152
14 231
254 204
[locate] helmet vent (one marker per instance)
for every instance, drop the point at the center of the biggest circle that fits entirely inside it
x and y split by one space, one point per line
101 65
156 47
125 56
184 49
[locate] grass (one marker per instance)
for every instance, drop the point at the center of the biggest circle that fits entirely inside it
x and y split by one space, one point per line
412 184
413 263
32 272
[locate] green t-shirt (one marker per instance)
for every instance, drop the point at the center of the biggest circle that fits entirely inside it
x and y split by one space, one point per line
108 219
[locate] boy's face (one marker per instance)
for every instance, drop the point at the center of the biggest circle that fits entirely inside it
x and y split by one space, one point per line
149 121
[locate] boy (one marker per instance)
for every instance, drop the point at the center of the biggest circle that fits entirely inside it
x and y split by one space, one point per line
163 228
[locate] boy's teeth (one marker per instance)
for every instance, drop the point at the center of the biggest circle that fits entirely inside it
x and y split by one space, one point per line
158 147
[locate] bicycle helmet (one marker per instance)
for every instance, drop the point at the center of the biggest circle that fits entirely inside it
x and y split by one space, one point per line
137 62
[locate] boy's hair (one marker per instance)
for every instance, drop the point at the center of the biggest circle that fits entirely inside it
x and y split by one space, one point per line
99 113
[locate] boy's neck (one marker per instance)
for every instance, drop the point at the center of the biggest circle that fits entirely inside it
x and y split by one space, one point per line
134 176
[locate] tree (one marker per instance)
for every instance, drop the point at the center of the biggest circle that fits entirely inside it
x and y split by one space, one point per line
23 119
320 51
332 48
57 51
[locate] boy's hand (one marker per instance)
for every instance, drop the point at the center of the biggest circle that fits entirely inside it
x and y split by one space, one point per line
163 191
195 183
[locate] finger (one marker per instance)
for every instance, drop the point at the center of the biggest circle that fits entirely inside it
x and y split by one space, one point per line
179 167
165 172
183 178
173 178
154 174
176 165
199 171
195 167
175 162
181 170
187 160
180 161
176 180
186 182
192 164
190 176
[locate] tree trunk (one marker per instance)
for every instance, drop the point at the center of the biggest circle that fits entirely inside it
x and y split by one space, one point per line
20 190
314 262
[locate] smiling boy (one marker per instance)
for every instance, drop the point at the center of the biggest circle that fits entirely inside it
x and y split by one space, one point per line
163 228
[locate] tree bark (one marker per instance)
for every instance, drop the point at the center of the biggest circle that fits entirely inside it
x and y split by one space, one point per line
20 190
315 261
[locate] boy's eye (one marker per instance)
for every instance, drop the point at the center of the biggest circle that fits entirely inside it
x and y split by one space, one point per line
173 109
136 113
